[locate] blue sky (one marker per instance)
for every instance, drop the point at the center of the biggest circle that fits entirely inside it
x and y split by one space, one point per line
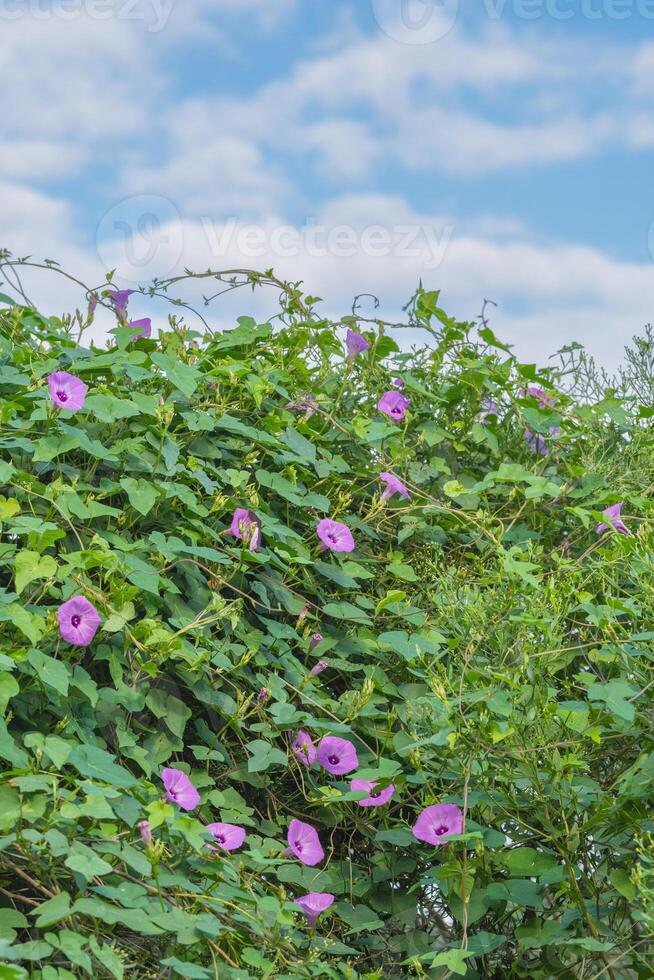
504 150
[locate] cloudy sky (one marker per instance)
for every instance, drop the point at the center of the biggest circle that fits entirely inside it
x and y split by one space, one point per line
498 152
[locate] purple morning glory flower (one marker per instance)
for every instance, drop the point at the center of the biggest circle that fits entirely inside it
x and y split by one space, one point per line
436 823
375 797
337 755
78 621
394 404
356 344
304 843
315 640
67 391
398 383
544 399
119 298
318 668
142 328
335 536
489 407
180 789
612 515
393 485
314 904
228 836
303 748
246 527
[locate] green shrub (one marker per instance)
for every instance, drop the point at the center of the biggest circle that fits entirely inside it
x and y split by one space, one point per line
485 647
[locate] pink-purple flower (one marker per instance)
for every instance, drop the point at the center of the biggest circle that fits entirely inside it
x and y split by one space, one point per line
335 536
375 797
398 383
315 640
393 485
228 836
180 789
79 621
356 344
318 668
436 823
314 904
67 391
119 298
142 328
337 755
304 843
303 748
613 519
247 528
394 404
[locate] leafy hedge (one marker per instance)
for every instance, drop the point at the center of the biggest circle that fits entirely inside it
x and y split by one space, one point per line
482 646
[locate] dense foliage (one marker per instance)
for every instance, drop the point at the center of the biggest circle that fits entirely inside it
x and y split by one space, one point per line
484 647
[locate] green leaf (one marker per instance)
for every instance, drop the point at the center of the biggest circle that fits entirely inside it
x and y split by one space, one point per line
50 671
183 376
30 565
49 447
141 494
9 807
264 755
54 910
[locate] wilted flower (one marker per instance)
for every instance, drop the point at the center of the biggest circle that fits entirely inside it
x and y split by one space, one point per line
78 621
315 640
304 843
337 755
180 789
142 328
246 527
119 298
376 797
356 344
393 404
335 536
436 823
393 485
303 748
228 836
262 695
536 443
145 830
318 668
313 904
93 302
67 391
612 515
305 405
